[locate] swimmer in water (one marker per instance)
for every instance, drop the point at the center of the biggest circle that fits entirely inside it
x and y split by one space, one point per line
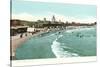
81 36
59 32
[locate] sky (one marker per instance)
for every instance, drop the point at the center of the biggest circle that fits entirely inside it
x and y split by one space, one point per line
33 11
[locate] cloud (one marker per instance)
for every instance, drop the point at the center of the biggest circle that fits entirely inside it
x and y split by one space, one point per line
30 17
26 16
23 16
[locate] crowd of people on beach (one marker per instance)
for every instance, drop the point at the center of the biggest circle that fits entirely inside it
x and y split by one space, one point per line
25 34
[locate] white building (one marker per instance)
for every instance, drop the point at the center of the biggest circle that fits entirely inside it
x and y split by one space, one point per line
30 29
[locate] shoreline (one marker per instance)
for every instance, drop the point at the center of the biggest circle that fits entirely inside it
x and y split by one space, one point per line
16 42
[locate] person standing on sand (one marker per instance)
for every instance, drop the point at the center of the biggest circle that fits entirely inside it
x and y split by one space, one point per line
32 33
21 35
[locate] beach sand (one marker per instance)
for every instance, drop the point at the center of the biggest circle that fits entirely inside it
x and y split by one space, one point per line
16 41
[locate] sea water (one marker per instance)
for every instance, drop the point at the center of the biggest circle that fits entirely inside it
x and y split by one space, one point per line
62 44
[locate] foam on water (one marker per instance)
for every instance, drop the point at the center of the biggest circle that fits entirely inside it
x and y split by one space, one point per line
58 50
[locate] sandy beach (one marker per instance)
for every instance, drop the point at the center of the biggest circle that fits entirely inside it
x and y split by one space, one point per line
16 41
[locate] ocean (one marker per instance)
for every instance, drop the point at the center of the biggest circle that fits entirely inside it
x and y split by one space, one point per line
79 42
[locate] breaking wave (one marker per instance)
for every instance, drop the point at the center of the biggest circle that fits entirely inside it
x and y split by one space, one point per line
57 49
